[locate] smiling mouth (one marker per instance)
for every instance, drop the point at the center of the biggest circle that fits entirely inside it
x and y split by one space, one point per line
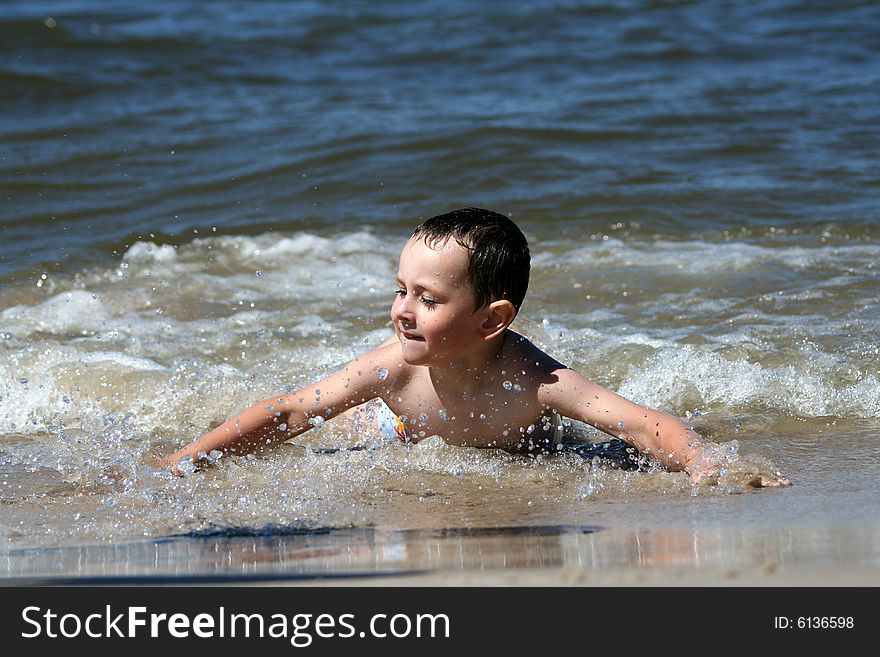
410 336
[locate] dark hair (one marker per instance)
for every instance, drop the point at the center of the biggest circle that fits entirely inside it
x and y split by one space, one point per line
499 252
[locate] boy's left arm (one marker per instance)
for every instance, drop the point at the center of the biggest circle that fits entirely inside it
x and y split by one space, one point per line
654 433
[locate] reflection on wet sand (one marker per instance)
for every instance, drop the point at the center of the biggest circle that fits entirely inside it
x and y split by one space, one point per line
366 552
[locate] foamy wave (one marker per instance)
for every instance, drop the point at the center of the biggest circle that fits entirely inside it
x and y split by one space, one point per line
122 360
685 377
267 266
60 386
241 250
700 257
67 311
150 252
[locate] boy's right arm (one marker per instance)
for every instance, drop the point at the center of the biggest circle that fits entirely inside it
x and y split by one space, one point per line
280 418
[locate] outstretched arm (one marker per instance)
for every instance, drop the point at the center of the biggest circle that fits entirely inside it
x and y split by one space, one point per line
654 433
269 421
284 416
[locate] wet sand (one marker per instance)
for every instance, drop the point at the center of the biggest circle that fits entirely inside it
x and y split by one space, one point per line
551 525
550 555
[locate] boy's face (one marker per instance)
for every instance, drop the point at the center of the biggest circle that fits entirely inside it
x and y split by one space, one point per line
433 312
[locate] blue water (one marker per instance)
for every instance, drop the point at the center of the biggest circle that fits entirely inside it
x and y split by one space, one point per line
168 117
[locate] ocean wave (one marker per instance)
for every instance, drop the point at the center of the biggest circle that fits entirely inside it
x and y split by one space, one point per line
701 256
684 377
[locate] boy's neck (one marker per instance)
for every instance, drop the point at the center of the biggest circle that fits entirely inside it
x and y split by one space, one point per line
469 372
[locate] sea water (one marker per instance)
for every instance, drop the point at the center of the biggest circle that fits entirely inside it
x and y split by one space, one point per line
203 205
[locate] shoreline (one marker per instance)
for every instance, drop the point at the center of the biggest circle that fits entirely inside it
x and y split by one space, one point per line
549 556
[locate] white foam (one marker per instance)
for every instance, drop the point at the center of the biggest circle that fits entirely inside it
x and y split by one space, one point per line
150 252
68 311
700 257
684 377
123 360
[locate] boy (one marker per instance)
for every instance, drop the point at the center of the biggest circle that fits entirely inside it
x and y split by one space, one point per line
457 370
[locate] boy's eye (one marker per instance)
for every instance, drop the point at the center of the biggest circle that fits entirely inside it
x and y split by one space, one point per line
427 301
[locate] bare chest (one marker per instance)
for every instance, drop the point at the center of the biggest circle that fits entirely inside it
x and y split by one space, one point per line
506 417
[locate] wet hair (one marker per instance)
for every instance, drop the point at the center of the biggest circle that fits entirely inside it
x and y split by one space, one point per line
499 260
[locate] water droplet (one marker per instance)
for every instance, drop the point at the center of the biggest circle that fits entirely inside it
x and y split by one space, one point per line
621 425
259 273
443 414
507 385
282 426
517 388
382 373
215 455
317 421
186 465
482 416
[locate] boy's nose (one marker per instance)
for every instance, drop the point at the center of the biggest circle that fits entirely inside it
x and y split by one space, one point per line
401 309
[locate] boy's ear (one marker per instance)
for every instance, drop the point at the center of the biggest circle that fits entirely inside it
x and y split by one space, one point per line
499 315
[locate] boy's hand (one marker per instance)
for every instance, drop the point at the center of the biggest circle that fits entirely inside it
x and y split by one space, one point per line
156 459
162 461
717 462
172 468
773 481
758 480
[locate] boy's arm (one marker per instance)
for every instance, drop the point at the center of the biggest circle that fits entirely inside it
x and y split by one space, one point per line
284 416
656 434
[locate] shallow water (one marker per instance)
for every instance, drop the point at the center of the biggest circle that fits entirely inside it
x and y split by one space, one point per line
203 204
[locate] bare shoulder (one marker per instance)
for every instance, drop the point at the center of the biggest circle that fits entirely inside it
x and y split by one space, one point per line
528 358
555 381
384 366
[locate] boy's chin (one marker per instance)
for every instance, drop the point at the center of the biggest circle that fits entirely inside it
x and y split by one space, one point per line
415 359
414 354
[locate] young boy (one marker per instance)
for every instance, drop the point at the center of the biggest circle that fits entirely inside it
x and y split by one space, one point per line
457 370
